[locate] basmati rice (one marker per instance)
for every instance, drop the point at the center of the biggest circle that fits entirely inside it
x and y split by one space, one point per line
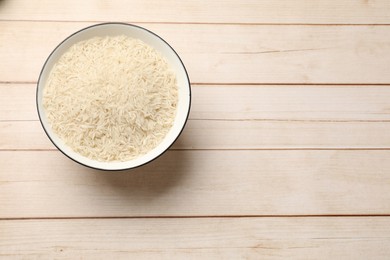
111 98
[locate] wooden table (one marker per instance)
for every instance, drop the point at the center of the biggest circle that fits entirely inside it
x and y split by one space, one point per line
286 153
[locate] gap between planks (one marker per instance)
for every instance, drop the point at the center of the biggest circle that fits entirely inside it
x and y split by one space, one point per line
195 23
251 119
231 149
200 84
203 217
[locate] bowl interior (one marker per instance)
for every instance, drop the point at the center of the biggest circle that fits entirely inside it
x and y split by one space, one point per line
114 29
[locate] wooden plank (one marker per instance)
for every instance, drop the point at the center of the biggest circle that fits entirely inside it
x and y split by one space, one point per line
284 117
198 183
220 238
229 53
283 103
211 134
230 11
17 102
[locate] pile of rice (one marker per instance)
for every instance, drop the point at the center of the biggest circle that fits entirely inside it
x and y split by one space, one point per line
111 98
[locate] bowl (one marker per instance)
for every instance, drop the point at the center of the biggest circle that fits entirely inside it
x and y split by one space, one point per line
150 38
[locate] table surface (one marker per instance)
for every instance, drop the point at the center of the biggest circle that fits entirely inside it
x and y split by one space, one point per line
285 155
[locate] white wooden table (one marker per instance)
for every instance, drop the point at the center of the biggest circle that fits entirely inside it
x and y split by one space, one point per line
286 153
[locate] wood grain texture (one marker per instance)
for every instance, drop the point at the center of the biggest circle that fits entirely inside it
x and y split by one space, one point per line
216 134
192 11
219 238
228 53
242 117
198 183
259 102
288 135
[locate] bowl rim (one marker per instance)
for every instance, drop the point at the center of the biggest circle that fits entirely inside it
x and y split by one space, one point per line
80 31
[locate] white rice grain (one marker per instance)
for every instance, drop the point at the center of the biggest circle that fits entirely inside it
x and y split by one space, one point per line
112 98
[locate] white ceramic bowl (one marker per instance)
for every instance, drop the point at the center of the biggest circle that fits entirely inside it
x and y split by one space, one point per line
113 29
